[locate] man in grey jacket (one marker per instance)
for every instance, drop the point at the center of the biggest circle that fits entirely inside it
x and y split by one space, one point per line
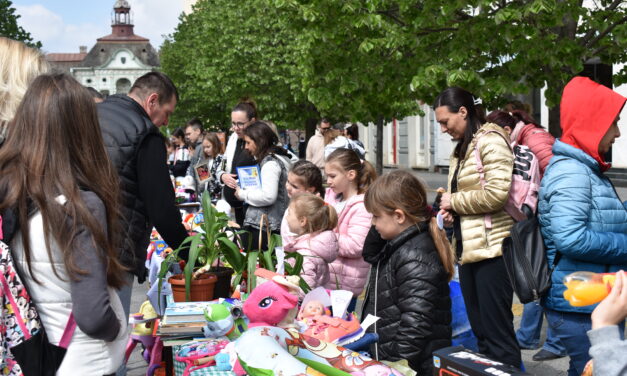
194 136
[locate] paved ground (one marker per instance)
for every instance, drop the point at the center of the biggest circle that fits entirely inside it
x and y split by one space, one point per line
558 367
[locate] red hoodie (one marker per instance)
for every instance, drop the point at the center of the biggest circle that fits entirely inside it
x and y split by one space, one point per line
587 111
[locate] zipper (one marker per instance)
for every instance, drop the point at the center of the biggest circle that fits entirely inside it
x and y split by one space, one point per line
376 293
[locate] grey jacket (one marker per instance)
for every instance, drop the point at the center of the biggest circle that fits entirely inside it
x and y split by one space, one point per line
608 351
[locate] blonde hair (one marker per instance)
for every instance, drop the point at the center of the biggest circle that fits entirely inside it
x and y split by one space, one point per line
19 65
320 215
400 190
347 160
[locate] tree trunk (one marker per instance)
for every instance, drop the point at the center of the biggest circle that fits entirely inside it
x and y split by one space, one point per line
554 121
310 128
379 146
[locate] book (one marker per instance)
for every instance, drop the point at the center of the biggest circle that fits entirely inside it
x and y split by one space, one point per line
183 330
249 177
203 172
182 312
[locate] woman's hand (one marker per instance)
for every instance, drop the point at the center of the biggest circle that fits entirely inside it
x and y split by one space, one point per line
612 309
237 192
447 217
445 201
229 180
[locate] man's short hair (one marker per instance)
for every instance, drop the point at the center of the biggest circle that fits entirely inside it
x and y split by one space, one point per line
194 123
155 82
95 93
324 120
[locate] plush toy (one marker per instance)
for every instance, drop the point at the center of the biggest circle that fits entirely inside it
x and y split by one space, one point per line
223 362
271 301
223 319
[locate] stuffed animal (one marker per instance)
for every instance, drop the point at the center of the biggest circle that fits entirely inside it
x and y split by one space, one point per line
271 301
223 319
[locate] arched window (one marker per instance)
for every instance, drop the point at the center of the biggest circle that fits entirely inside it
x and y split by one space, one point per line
122 86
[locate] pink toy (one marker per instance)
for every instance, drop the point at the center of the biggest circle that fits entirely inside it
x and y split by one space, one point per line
271 301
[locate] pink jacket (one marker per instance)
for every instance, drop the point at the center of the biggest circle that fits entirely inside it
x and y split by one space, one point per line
319 250
349 271
538 140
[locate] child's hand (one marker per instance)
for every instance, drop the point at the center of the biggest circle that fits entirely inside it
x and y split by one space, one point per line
447 217
612 309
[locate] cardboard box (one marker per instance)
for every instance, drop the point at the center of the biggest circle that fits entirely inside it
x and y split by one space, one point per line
458 361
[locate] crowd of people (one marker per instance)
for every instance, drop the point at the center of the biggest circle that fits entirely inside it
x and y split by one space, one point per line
83 184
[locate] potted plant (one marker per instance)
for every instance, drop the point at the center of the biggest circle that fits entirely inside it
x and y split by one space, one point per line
205 248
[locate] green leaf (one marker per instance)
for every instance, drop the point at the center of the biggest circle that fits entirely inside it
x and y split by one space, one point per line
253 257
232 254
194 250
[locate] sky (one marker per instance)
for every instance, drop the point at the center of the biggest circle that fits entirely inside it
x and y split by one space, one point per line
64 25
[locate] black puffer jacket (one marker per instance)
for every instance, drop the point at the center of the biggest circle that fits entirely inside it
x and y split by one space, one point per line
409 291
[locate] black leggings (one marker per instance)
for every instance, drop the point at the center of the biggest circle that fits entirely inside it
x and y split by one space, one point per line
488 296
253 233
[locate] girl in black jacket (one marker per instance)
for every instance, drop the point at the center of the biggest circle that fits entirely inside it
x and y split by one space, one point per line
408 286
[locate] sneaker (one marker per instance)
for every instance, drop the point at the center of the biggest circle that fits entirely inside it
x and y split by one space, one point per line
545 355
334 329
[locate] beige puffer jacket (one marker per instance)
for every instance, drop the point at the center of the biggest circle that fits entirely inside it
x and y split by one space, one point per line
478 206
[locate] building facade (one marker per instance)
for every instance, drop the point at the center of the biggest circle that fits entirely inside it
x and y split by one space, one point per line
115 61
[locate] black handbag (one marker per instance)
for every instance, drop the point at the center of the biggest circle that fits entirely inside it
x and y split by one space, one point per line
524 254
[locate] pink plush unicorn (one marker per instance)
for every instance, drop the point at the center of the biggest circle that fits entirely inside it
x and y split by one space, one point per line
271 301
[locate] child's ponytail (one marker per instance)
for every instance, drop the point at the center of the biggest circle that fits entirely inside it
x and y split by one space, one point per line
348 159
320 215
447 256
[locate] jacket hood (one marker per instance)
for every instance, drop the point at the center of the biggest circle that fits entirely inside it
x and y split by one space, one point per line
323 245
587 111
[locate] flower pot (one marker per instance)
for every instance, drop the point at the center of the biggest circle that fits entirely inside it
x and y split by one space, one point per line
201 288
222 288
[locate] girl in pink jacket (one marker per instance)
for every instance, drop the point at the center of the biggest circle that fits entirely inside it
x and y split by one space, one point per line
313 220
348 178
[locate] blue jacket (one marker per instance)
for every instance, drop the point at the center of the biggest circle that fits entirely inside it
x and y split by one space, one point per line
582 217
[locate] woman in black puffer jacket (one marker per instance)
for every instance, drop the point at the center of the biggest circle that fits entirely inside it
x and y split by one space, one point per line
408 286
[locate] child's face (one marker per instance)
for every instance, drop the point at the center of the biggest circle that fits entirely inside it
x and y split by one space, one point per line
338 180
294 185
207 148
293 222
387 224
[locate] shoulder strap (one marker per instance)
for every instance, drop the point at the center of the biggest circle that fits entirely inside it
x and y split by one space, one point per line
68 332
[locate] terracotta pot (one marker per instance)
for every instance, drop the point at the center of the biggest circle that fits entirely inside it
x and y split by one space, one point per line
200 290
223 286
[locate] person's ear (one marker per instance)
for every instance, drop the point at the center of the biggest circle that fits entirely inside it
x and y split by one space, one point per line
152 101
302 221
351 175
399 216
463 112
311 189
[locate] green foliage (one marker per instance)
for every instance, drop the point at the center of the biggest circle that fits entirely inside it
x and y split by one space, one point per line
371 57
9 27
225 51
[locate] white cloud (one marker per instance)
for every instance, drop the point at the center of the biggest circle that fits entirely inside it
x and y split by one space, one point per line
155 18
56 35
152 19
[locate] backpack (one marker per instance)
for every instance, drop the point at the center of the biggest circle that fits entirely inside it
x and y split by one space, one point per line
524 255
24 346
525 180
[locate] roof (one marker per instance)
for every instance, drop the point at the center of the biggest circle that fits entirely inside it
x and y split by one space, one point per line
55 57
119 38
102 52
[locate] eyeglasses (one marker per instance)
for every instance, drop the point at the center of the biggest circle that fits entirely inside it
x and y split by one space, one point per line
322 130
238 124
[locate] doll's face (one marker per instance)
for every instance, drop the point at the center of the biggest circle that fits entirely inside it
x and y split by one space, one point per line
313 308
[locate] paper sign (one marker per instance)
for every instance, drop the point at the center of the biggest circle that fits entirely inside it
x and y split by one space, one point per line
249 177
369 320
280 260
340 299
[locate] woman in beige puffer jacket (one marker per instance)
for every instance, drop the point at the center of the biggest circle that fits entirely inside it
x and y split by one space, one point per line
475 209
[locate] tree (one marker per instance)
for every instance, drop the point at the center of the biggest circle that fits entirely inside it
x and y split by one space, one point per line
226 50
494 48
9 27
